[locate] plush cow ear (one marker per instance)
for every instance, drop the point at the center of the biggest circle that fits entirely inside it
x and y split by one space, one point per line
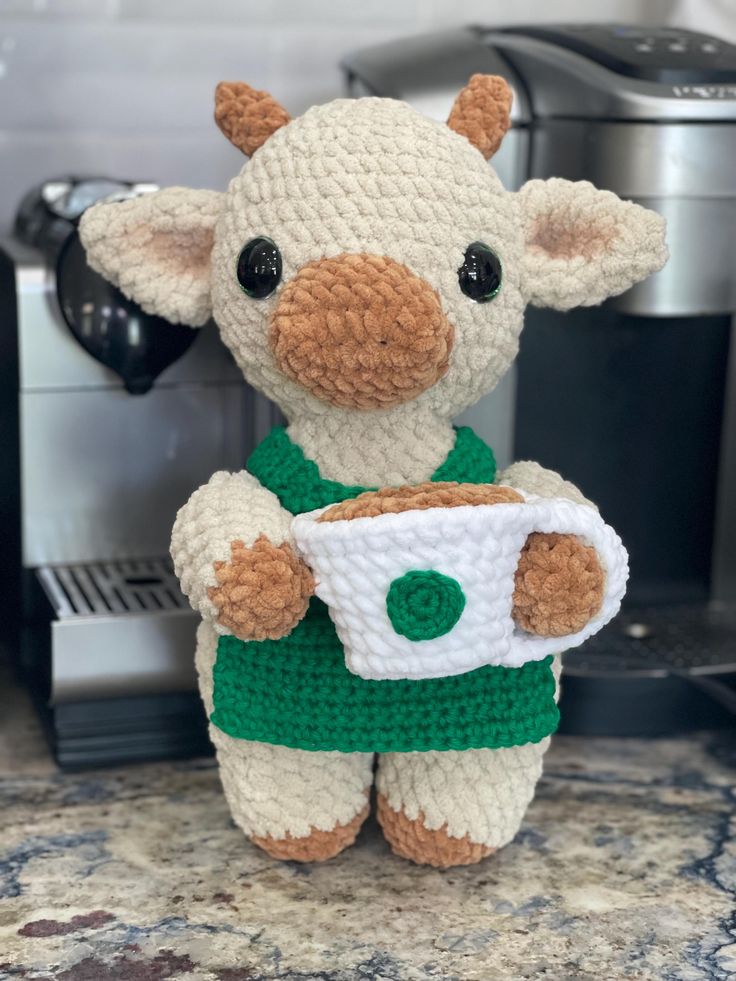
482 112
156 249
583 245
247 116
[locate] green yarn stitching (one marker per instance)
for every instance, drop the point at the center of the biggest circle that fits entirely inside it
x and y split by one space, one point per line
282 467
470 461
423 604
297 691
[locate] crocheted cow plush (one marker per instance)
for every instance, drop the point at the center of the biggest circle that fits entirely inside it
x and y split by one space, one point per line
369 273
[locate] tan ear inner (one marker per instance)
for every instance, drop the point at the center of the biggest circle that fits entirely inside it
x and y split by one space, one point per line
247 116
482 112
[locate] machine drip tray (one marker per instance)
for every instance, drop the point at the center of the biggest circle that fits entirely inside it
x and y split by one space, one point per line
654 671
147 585
119 628
114 675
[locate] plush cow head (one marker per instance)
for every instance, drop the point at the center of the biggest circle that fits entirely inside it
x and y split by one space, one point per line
366 257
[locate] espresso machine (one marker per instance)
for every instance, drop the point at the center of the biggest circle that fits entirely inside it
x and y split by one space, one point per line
111 418
634 401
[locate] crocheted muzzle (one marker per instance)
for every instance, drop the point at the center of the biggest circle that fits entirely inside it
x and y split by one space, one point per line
361 331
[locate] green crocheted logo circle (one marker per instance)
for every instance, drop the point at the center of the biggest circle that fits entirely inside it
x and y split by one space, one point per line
424 604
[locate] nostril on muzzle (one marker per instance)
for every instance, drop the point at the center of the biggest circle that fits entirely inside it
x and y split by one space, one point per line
361 331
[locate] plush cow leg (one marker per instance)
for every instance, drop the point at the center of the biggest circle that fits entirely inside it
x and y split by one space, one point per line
297 805
294 804
455 808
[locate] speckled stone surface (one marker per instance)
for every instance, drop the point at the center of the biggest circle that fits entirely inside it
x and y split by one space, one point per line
625 868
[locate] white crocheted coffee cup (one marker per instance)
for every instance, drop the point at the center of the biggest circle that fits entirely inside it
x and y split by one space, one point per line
460 563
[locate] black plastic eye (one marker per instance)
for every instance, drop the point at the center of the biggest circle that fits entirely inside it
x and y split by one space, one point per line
259 267
480 274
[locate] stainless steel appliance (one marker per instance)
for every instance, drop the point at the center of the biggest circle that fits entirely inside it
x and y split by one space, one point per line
110 419
635 402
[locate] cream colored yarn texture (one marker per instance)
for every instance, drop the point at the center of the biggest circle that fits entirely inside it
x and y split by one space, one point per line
140 246
481 793
583 244
355 562
230 507
372 176
534 479
394 184
275 790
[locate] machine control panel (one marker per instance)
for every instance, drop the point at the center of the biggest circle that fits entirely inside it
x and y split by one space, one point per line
659 54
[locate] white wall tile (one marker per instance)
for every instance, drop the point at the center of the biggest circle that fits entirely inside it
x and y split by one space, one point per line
197 161
126 86
495 13
114 77
276 13
59 9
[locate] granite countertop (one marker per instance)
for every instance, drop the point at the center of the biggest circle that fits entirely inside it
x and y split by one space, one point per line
625 868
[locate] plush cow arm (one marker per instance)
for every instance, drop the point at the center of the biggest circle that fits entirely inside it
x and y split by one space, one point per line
530 477
232 551
559 579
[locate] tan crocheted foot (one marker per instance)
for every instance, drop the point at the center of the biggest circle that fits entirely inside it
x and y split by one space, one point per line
318 846
410 839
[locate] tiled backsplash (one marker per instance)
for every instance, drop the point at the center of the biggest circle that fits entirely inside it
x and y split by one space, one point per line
124 87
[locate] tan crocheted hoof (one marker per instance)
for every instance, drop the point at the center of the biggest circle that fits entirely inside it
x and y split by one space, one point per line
410 839
317 846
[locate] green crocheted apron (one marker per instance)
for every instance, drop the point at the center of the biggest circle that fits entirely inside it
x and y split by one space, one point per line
297 691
